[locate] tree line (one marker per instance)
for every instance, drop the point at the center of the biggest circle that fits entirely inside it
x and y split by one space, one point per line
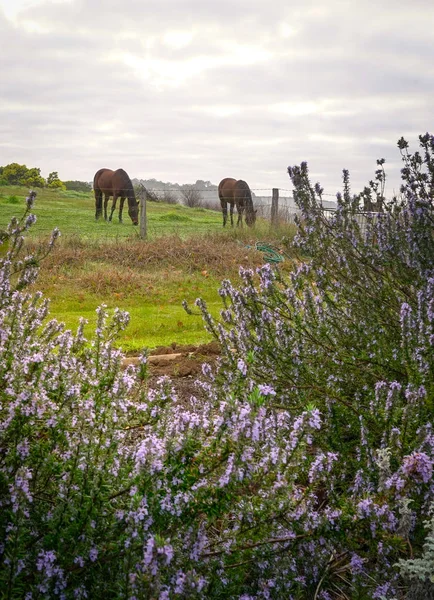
16 174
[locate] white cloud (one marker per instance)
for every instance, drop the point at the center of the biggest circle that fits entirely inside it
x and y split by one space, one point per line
187 89
177 39
13 8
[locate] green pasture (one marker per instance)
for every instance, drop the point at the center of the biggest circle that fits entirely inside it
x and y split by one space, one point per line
74 214
153 292
156 315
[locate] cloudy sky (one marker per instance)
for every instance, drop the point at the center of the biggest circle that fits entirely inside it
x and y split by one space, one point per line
181 90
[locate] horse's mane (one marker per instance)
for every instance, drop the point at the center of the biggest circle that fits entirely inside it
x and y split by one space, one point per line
243 187
124 178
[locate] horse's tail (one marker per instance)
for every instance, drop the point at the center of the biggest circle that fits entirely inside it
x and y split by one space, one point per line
220 195
95 179
224 198
98 194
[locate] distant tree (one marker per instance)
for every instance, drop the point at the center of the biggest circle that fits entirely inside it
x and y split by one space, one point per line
142 191
34 178
169 197
191 197
15 174
78 186
151 195
53 181
201 184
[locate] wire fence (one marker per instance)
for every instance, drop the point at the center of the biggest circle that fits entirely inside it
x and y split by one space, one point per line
363 218
209 199
275 205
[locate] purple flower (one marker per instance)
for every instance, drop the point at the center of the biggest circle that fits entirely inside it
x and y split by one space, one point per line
364 507
179 583
356 564
266 390
45 562
23 449
242 366
322 464
93 554
315 419
381 591
149 552
418 465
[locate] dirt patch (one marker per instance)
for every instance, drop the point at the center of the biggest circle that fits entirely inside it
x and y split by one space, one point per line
178 361
183 364
185 388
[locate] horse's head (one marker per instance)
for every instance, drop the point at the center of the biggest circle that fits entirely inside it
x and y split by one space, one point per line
251 217
133 211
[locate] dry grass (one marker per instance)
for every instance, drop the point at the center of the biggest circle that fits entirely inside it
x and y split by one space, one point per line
105 280
215 253
148 279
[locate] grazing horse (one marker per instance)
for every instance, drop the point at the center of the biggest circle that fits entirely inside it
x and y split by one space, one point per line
116 184
236 193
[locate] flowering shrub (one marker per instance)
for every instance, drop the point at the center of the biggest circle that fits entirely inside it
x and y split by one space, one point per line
350 335
111 489
304 468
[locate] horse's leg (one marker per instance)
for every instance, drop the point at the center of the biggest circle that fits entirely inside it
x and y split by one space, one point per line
115 197
106 199
240 210
232 214
224 206
121 207
98 204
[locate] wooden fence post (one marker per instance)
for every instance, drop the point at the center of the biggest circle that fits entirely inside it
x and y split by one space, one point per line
143 232
274 207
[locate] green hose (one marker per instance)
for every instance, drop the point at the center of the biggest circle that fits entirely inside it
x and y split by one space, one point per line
271 254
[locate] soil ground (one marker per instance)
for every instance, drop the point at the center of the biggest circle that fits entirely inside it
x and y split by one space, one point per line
183 364
189 363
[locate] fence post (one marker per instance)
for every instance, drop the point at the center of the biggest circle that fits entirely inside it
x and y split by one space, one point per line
143 231
274 207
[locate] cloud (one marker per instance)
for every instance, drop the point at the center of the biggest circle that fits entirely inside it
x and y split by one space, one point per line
186 89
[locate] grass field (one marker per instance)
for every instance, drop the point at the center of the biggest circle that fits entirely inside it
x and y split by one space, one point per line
186 256
73 213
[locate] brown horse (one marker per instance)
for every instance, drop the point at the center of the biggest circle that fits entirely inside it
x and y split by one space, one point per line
236 193
116 184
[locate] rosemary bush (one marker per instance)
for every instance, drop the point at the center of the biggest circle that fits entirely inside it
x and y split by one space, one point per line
350 335
109 489
304 468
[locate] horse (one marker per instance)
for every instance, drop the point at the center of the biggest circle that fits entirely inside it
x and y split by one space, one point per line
117 184
236 193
